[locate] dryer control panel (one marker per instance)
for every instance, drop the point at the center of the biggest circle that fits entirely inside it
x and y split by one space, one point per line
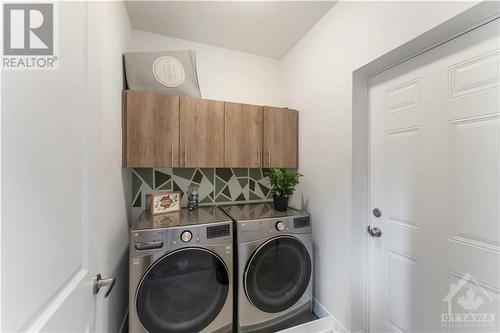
258 229
149 241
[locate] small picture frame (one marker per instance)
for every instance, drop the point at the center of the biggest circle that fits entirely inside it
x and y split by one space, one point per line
163 202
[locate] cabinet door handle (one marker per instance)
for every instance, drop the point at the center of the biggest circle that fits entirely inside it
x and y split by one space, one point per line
258 157
172 154
185 153
269 157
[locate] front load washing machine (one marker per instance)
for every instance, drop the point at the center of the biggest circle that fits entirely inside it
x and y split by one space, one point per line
274 266
181 272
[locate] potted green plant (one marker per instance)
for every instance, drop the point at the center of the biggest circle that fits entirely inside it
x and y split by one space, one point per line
283 184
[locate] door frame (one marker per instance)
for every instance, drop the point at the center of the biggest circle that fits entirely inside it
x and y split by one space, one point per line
466 21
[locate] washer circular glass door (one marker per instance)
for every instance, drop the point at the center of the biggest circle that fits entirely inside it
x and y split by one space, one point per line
277 274
184 291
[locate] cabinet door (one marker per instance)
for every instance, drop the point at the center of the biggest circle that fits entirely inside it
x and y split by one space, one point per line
151 129
281 133
201 132
242 135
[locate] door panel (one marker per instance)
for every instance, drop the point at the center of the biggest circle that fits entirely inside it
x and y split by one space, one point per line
46 246
182 292
201 132
151 138
278 274
435 152
242 135
281 129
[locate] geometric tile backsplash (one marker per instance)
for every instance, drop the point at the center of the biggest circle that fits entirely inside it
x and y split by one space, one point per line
216 185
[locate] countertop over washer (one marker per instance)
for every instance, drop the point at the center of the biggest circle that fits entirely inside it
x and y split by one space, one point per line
184 217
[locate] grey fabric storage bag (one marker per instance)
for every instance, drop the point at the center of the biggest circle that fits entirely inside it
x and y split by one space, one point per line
167 72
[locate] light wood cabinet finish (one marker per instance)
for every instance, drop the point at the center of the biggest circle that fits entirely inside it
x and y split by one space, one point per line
201 132
242 135
151 129
281 129
172 131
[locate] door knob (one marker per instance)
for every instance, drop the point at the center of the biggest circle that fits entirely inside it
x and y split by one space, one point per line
374 232
100 283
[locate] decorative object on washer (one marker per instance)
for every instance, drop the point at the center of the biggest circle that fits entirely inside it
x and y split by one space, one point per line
168 72
164 202
283 183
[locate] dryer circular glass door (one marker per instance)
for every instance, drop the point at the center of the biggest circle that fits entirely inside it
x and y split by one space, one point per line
184 291
277 274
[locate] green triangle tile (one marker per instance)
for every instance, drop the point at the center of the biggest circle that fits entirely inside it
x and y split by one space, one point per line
255 174
177 188
138 201
224 173
240 172
254 196
241 197
136 184
207 200
226 192
265 171
198 176
222 198
252 185
211 195
243 182
264 189
186 173
167 186
161 178
209 174
146 174
219 185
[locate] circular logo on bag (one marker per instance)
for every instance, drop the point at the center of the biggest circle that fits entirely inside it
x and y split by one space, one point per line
168 71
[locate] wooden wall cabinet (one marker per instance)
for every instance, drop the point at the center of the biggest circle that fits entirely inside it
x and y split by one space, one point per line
281 136
242 135
201 132
150 129
172 131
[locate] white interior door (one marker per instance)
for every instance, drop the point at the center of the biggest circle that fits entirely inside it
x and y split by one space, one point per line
435 151
50 237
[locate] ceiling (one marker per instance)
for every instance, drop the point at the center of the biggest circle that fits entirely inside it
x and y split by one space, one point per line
267 28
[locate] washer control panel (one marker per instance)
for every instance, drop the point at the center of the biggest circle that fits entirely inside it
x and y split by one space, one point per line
257 229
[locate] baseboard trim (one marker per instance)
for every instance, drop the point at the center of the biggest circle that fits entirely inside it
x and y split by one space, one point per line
321 311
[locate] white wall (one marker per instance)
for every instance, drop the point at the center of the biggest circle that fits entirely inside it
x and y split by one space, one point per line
223 74
109 33
317 80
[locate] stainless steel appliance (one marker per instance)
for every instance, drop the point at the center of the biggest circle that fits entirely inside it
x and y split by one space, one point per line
274 266
181 272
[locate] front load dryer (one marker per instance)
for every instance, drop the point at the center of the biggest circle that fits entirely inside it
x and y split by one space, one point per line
274 266
181 277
